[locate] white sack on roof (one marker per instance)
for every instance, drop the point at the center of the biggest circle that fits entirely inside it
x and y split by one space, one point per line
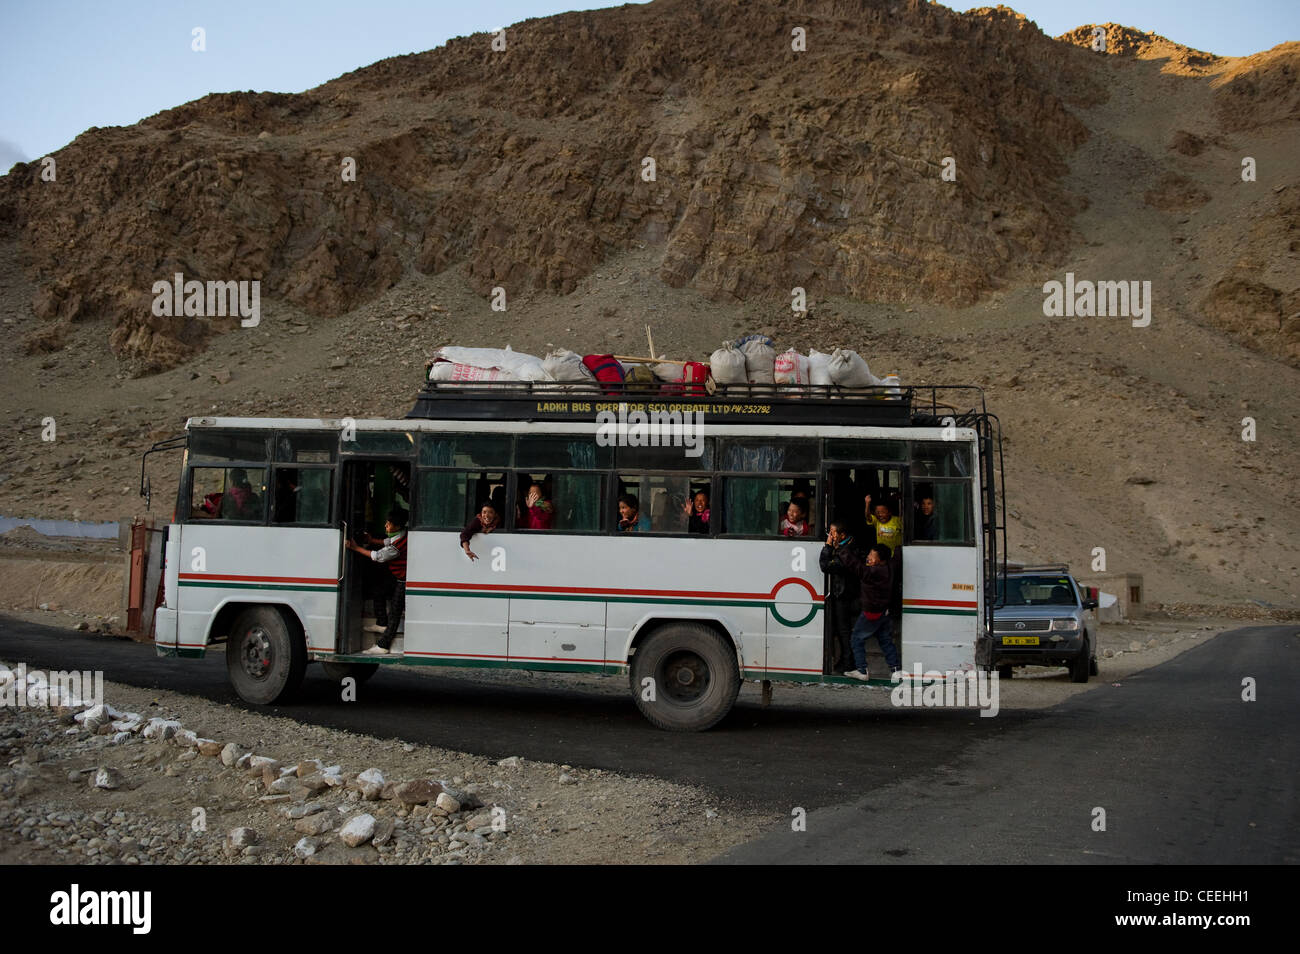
517 365
760 361
819 367
565 365
728 365
791 368
849 370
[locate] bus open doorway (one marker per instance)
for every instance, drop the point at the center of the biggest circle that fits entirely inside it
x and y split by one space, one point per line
846 491
371 489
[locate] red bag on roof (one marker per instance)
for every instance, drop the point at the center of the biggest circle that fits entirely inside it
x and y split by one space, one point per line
693 376
606 369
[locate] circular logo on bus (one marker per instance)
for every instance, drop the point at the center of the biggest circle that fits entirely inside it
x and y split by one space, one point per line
798 591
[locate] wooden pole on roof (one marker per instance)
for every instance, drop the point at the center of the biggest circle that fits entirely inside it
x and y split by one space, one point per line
650 341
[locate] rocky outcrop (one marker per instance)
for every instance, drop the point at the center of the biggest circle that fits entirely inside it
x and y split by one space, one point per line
772 168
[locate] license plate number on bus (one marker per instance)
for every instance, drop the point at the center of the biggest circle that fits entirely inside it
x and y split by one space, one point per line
1019 640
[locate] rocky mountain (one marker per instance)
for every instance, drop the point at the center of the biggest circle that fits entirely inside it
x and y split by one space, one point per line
773 167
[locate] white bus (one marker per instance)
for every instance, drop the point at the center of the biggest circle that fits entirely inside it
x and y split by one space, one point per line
255 557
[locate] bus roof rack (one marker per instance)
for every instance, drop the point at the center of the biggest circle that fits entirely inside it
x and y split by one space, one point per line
885 405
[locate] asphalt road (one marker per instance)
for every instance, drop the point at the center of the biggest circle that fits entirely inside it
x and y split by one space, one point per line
1186 771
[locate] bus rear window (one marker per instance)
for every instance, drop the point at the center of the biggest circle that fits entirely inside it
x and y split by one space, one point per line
233 494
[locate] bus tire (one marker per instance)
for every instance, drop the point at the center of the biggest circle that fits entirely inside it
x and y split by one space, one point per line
1082 663
265 656
337 671
694 677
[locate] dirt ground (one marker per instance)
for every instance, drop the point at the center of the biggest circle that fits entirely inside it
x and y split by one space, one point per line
51 813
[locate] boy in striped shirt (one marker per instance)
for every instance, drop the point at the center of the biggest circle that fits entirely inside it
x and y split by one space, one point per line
391 552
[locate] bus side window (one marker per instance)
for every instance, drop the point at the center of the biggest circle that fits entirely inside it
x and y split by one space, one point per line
941 512
234 493
302 495
756 506
663 499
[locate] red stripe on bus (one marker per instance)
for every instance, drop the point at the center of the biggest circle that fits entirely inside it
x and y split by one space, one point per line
256 579
592 590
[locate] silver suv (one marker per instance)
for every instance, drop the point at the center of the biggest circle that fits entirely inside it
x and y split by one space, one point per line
1045 620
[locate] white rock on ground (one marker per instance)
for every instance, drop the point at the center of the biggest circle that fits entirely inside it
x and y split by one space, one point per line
358 830
241 838
305 847
447 803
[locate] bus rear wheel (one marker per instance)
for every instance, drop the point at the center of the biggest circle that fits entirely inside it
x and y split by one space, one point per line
265 657
685 678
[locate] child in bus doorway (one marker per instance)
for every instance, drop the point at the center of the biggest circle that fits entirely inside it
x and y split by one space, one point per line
889 529
795 522
877 583
391 552
488 519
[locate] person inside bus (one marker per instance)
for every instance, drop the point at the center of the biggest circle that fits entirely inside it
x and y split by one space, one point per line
697 513
488 519
537 512
286 496
802 495
239 502
925 526
391 552
843 599
630 517
889 529
875 592
795 522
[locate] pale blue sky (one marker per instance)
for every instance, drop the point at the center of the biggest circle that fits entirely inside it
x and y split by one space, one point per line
67 65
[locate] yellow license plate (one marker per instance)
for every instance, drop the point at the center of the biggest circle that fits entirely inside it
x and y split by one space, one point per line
1019 640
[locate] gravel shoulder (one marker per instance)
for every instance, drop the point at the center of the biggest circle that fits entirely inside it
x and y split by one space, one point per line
515 811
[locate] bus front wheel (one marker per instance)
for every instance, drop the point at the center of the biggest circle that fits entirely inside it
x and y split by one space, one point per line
685 678
265 657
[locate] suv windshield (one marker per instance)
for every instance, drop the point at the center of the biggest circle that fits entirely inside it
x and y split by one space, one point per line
1036 591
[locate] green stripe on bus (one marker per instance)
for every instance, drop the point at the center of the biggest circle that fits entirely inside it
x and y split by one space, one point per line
462 663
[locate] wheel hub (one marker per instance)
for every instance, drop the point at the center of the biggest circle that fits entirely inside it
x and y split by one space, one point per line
255 654
685 676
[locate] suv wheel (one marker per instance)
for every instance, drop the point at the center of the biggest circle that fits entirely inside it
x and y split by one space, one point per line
1082 664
